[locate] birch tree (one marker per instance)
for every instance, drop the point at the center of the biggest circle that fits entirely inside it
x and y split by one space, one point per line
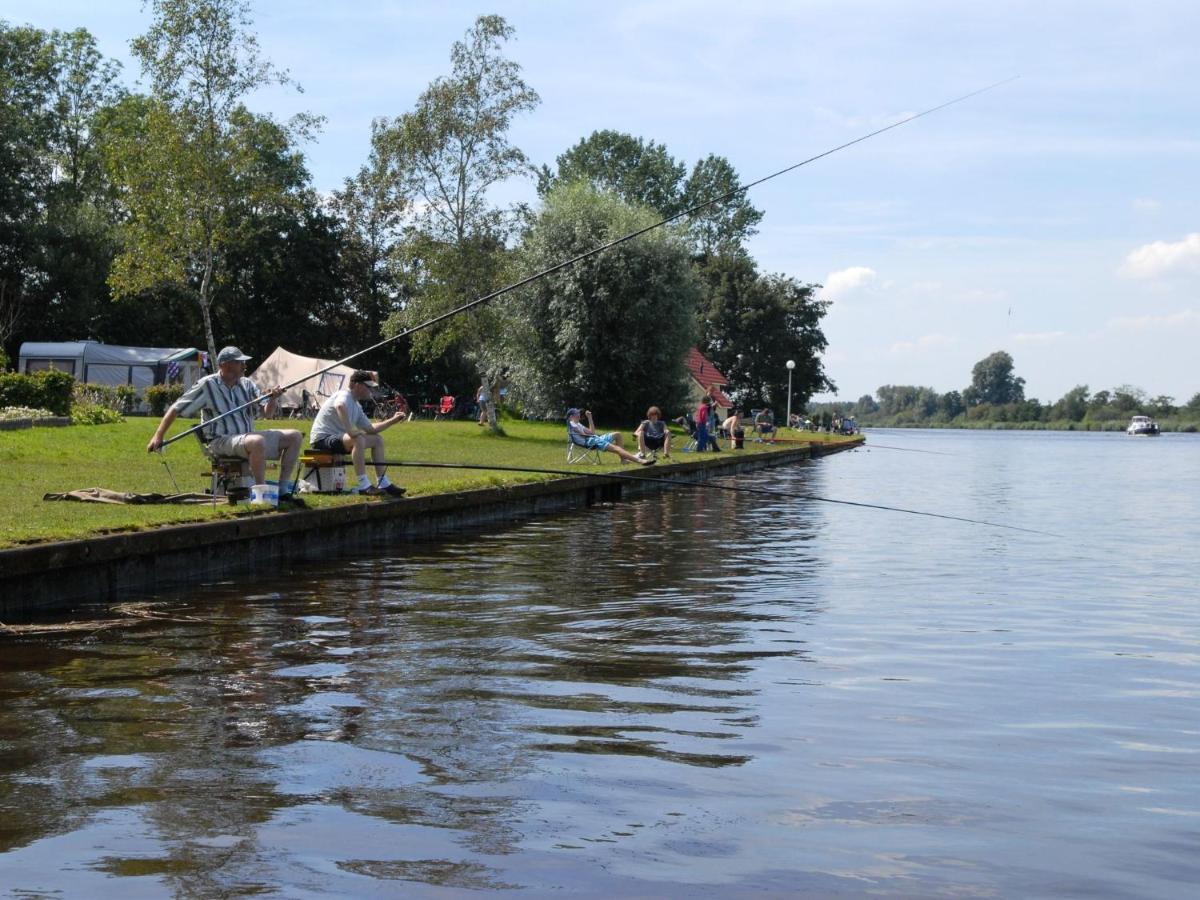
181 167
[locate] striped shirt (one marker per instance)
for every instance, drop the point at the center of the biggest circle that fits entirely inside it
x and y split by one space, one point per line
211 397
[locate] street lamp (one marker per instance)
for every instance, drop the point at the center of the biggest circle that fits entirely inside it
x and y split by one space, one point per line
791 364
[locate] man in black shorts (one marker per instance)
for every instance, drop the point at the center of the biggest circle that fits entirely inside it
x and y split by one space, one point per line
652 435
341 426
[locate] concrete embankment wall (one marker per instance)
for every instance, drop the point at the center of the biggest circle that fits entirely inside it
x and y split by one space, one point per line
48 577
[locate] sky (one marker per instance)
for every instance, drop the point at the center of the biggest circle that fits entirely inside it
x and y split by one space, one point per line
1056 217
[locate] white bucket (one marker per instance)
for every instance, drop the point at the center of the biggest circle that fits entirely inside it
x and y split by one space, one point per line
265 494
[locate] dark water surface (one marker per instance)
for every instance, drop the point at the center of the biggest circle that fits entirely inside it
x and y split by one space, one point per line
698 694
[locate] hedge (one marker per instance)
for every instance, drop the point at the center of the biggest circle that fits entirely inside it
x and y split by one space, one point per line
160 396
47 389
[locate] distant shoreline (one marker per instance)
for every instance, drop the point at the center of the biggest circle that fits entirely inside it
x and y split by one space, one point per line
1107 427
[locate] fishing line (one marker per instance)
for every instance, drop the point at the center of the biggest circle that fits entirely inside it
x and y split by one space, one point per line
728 195
906 449
170 474
863 446
766 492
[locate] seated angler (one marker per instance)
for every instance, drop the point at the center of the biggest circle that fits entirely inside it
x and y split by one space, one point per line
341 426
653 435
225 402
586 436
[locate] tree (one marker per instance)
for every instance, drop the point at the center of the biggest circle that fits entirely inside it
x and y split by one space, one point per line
724 227
1073 405
86 86
181 158
752 324
1128 399
1163 405
610 332
640 173
993 382
371 214
56 233
27 69
952 405
448 153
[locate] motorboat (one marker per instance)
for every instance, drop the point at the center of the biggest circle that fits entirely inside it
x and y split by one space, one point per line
1142 425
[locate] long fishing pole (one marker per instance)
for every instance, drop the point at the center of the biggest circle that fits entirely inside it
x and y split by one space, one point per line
766 492
728 195
864 446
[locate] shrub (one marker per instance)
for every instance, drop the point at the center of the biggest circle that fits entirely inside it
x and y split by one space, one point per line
119 399
94 414
47 389
161 395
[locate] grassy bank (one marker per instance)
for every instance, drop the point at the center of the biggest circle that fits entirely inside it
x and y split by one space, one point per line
37 461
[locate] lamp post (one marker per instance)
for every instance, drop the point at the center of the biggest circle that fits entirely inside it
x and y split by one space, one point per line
791 364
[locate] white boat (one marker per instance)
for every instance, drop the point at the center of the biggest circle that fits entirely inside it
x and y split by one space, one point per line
1142 425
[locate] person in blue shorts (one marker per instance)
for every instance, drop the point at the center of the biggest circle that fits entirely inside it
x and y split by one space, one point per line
588 437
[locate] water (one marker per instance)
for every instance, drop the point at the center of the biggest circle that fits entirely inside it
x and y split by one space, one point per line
697 694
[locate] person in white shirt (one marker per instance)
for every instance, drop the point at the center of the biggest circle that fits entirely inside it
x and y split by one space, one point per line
341 426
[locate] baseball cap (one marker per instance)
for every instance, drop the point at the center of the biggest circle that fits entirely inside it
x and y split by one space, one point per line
231 354
573 411
363 377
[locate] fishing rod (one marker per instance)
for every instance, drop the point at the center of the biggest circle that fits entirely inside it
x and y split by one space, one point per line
863 445
728 195
766 492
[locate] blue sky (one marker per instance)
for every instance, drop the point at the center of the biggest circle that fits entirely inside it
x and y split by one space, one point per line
1057 217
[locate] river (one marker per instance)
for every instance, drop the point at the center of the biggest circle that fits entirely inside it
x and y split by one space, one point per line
700 693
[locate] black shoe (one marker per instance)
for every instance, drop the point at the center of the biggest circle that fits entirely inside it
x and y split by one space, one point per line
293 501
394 490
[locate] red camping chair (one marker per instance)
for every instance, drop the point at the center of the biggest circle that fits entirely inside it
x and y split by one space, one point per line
445 407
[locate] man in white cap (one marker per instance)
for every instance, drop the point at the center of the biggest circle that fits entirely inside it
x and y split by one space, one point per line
342 427
234 434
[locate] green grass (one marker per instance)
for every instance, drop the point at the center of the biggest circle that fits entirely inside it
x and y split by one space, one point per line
37 461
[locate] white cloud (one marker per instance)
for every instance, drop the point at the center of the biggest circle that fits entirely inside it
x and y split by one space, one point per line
845 281
1163 258
1183 318
924 344
1039 337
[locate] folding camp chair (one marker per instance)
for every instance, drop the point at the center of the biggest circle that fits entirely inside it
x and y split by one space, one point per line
445 407
578 450
689 425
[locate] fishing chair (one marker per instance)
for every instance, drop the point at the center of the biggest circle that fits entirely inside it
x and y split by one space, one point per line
230 475
689 425
578 450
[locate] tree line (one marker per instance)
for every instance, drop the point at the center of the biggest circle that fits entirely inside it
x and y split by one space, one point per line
996 398
178 216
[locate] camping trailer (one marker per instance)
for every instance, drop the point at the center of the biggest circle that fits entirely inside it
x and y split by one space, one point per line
96 363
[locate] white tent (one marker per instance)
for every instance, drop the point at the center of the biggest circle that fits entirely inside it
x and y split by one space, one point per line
283 367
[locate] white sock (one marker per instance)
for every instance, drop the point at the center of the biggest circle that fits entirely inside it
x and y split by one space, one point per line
384 481
363 482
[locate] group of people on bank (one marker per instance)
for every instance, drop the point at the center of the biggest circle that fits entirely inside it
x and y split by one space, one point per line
228 403
225 403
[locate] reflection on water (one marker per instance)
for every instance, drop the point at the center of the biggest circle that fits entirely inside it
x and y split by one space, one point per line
695 693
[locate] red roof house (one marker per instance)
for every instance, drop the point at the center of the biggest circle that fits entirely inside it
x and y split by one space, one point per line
703 376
